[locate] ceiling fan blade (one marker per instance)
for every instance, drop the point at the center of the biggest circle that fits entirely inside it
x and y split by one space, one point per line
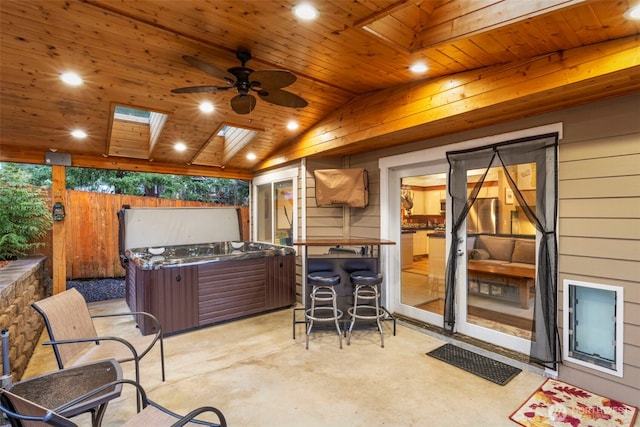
283 97
210 69
209 89
243 104
272 79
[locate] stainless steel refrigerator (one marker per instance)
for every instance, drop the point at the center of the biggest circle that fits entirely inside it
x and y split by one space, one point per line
483 217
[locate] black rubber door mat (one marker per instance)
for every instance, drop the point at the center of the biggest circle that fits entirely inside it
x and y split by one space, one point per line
484 367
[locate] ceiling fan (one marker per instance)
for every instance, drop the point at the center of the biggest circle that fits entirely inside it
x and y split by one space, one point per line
267 84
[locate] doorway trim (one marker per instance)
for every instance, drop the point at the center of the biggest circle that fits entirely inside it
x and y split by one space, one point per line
390 217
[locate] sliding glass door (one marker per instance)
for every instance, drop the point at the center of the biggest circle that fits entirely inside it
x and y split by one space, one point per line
422 214
499 207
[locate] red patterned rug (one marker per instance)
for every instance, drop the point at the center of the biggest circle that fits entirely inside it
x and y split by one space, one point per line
557 404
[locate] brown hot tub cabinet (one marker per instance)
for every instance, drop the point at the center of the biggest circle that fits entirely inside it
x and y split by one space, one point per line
201 283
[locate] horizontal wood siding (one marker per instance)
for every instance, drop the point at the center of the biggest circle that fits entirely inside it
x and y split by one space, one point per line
323 221
599 195
365 222
231 289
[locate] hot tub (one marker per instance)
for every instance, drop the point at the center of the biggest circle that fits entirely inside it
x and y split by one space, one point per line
200 281
153 258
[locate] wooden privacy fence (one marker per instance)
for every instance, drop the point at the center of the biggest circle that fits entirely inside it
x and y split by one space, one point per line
91 231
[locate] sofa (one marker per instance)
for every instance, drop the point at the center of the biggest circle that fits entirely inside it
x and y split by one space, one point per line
502 267
514 251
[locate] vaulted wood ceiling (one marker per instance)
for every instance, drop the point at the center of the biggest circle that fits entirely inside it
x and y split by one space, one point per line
489 61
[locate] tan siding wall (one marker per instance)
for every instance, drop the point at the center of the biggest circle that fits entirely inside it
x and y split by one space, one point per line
323 221
365 222
599 194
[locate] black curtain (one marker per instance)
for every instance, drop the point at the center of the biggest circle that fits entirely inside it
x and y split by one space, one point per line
541 150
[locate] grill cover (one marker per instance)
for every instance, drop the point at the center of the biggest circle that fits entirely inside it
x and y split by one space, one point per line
342 187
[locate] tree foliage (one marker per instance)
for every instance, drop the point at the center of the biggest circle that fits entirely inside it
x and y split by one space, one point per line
211 190
24 214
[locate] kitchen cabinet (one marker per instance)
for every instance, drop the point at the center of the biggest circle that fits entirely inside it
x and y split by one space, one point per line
526 176
433 202
437 259
429 233
418 203
406 250
420 243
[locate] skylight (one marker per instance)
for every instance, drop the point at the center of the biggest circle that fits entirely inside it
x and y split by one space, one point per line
132 114
134 131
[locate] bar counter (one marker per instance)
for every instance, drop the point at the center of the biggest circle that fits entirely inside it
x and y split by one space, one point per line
342 262
341 241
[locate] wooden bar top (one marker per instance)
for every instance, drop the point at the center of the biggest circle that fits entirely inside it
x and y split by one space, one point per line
333 241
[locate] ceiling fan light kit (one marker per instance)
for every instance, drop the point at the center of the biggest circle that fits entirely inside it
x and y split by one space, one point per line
267 84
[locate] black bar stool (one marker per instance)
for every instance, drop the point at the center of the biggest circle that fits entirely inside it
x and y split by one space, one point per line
367 289
323 290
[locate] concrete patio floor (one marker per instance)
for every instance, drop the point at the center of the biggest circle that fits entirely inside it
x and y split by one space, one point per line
258 375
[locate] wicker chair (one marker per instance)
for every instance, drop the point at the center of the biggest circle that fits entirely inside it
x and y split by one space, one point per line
25 413
75 340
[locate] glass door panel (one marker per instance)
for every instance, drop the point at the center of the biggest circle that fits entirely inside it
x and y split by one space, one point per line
263 217
501 252
284 212
423 241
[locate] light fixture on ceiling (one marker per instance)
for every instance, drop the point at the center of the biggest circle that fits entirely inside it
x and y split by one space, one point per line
180 146
633 12
305 11
292 125
78 134
206 107
251 156
72 79
419 68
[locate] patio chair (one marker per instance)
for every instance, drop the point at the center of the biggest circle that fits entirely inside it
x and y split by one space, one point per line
73 335
22 412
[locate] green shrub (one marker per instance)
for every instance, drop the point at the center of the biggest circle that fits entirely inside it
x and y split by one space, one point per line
24 219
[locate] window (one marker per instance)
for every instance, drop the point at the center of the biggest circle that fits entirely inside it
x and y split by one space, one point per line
275 207
592 328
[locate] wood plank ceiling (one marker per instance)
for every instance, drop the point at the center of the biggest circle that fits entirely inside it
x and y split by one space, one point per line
489 60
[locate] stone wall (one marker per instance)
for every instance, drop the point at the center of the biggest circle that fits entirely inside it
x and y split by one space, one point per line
21 283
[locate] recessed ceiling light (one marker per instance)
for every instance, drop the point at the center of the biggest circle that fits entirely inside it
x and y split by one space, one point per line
206 107
71 79
179 146
79 133
292 125
419 67
251 156
305 11
633 12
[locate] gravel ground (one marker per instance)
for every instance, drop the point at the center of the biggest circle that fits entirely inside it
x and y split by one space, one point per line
99 289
